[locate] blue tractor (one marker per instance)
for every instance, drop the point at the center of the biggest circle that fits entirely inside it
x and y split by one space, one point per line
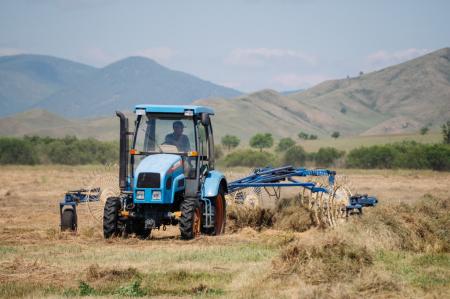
167 175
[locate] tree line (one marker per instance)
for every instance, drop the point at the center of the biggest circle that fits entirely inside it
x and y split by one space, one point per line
407 154
69 150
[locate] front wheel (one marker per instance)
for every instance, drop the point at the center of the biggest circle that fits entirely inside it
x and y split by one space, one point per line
111 217
190 220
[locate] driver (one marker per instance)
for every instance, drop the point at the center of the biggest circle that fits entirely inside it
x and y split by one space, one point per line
177 138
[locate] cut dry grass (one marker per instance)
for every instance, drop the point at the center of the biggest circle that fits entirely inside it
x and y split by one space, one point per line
398 249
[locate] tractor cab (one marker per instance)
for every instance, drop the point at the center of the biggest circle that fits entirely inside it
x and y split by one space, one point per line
167 173
181 131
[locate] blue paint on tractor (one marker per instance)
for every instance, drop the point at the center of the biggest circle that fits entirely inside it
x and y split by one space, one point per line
165 166
212 183
174 109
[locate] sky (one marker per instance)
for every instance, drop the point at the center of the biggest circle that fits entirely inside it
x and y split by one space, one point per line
247 45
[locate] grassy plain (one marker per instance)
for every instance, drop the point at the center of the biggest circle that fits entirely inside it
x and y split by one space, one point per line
349 143
398 249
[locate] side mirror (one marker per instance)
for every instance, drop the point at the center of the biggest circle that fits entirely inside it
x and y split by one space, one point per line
205 119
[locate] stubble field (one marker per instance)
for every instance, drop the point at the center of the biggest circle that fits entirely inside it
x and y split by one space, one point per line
398 249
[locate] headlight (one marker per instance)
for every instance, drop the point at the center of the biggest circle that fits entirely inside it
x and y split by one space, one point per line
156 195
140 194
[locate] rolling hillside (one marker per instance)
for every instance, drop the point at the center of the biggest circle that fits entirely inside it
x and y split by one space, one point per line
43 123
72 89
396 100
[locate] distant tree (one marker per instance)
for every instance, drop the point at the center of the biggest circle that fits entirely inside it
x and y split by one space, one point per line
261 141
424 130
303 135
335 135
361 73
285 143
343 109
446 132
230 141
312 137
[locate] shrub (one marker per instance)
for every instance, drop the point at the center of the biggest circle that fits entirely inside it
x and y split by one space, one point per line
438 157
408 154
295 156
68 150
249 158
17 151
371 157
326 156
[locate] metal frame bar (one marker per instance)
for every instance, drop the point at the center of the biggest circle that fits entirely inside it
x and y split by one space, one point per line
282 177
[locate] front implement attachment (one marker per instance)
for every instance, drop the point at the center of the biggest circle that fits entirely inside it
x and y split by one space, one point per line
68 207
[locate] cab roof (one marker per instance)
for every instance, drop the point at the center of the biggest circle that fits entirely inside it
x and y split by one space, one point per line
174 109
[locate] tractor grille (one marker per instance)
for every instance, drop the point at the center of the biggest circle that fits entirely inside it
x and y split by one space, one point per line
149 180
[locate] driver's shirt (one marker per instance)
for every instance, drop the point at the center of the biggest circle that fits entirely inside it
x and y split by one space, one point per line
182 143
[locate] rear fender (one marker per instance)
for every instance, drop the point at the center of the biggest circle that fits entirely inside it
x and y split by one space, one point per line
213 181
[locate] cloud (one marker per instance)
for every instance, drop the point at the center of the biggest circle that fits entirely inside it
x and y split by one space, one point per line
160 54
10 51
294 81
255 57
384 58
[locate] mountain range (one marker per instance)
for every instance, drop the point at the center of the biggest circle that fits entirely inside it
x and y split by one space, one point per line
72 89
398 99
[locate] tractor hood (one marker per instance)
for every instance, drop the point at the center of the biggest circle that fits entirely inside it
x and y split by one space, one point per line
159 163
157 178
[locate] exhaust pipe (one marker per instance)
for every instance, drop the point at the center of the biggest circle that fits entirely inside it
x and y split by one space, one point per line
124 148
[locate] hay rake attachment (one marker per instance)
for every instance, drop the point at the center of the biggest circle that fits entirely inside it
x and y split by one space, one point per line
323 193
328 200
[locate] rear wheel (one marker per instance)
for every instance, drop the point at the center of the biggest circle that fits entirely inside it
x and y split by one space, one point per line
220 213
190 220
68 220
111 217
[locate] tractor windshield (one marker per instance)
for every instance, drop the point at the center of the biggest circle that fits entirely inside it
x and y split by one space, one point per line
165 134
